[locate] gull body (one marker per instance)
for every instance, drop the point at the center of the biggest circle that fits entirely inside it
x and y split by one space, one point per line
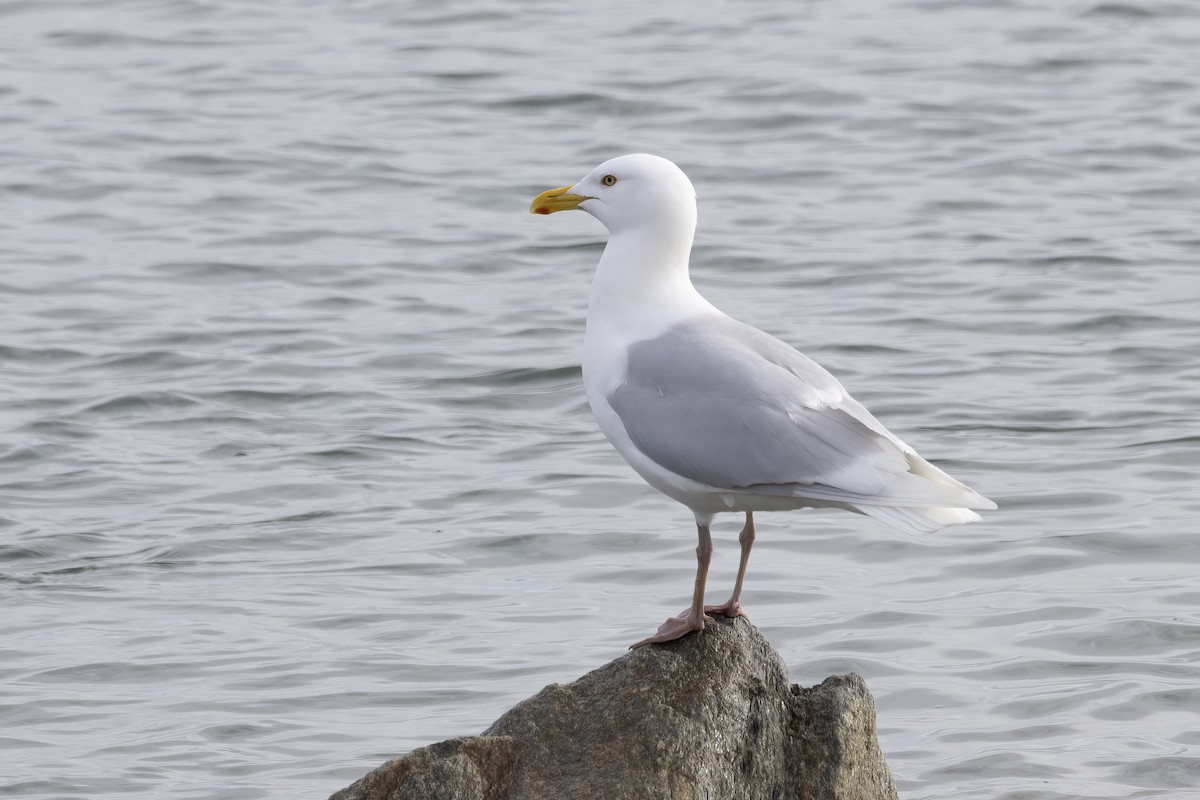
712 412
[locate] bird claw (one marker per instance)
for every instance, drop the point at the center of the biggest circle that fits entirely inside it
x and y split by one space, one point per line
728 610
674 628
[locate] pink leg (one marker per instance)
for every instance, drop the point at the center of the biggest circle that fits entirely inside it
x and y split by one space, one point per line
693 618
733 608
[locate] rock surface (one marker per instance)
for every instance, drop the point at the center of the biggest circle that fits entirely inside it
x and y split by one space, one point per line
707 716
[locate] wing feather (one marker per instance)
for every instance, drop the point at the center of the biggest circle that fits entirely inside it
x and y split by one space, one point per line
734 408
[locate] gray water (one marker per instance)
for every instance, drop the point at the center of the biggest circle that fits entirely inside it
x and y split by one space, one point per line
297 473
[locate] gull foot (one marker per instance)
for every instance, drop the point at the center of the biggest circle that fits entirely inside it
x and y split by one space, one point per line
674 628
729 610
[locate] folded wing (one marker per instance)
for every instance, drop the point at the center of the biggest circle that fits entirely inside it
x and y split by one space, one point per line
729 406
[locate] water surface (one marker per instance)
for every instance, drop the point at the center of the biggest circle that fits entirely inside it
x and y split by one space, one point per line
297 473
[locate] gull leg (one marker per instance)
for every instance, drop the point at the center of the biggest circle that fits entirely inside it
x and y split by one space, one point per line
733 607
693 618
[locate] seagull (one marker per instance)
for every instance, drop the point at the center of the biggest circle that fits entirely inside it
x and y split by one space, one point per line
717 414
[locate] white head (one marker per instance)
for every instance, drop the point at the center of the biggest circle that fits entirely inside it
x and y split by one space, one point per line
627 193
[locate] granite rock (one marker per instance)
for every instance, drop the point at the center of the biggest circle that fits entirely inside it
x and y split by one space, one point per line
711 715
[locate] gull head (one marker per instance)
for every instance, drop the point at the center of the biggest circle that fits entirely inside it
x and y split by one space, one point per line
630 192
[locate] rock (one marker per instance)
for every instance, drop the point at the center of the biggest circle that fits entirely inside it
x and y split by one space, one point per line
707 716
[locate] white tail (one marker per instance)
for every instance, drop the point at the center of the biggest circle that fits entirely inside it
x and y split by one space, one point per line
919 520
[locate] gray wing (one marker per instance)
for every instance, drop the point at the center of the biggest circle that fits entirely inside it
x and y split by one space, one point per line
725 404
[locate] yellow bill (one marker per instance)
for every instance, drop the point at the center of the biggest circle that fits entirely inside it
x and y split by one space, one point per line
553 200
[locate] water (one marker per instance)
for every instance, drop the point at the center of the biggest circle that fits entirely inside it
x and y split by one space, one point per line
297 472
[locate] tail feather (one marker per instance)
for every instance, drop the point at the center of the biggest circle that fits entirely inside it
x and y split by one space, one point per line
919 520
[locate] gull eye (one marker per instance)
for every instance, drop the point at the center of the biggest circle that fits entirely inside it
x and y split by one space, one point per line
609 180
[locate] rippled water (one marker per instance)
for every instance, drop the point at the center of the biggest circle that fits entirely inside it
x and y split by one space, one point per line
297 471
